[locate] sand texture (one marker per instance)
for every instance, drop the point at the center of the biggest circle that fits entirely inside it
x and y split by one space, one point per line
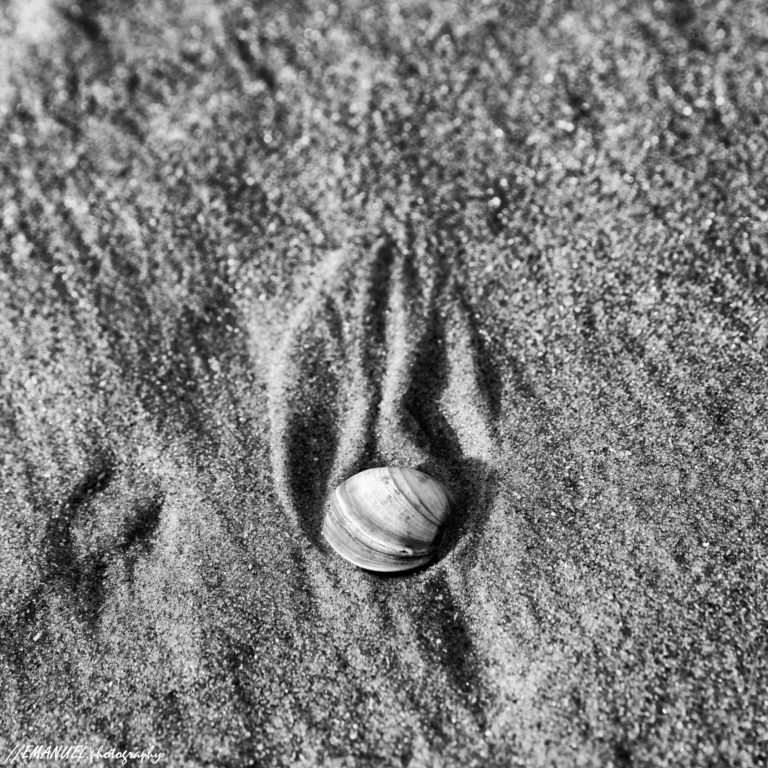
248 249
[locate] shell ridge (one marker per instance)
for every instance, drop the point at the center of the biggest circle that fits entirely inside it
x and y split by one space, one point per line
373 540
386 515
339 537
418 505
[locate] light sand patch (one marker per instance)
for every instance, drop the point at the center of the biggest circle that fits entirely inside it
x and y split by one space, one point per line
35 20
25 23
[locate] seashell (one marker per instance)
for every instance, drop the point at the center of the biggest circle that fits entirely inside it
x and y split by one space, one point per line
387 518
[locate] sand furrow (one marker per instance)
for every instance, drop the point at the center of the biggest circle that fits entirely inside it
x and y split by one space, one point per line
378 366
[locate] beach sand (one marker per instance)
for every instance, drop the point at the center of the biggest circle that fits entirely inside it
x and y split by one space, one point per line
250 249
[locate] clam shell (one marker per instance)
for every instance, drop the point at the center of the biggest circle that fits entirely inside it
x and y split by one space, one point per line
387 518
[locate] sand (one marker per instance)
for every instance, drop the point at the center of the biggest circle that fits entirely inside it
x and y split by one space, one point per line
250 249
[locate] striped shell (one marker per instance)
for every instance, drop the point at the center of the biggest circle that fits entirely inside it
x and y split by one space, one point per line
387 518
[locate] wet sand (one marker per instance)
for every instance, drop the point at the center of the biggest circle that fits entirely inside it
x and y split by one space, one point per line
248 251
